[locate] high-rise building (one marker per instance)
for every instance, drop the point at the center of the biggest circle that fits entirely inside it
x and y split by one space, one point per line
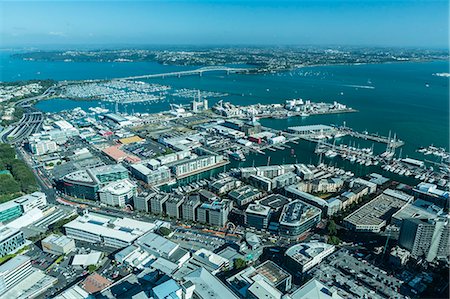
173 206
141 202
425 237
157 204
190 206
215 213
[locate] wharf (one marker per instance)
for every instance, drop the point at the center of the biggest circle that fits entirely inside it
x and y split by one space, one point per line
392 142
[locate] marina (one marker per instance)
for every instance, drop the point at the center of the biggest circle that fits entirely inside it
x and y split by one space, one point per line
392 142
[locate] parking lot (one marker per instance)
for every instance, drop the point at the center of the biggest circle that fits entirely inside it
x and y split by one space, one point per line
195 241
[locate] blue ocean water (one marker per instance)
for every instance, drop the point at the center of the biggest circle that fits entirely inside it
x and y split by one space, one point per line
404 98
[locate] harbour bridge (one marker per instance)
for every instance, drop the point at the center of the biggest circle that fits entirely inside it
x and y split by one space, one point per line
198 71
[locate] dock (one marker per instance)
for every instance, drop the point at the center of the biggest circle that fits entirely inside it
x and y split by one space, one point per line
391 142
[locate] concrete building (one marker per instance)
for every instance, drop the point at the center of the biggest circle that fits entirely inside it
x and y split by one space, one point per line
215 213
210 261
186 167
157 204
31 201
371 185
141 202
268 271
267 171
329 207
399 256
208 286
41 146
420 209
432 193
304 172
428 238
225 185
374 215
315 289
257 216
108 231
260 289
14 271
10 240
86 183
298 217
275 201
174 206
117 194
302 257
10 210
190 206
261 182
244 195
154 177
58 245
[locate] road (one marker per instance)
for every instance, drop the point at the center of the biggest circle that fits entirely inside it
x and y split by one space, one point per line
31 121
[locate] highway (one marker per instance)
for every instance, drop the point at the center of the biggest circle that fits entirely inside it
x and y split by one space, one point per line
31 122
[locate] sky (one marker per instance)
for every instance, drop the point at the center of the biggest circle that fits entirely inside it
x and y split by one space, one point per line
397 23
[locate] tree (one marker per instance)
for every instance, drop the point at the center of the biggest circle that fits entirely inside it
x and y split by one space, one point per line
333 240
8 185
331 227
239 263
92 268
164 231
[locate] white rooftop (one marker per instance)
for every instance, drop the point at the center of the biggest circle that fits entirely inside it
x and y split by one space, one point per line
118 187
124 229
85 260
207 286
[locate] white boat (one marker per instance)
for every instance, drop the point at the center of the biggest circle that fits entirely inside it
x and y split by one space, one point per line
237 155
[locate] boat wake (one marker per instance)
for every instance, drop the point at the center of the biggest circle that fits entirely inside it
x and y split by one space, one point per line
360 86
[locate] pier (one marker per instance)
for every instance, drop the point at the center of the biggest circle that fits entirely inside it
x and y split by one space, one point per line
391 142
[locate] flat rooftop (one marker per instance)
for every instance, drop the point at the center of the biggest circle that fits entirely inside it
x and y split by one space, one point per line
124 229
298 212
258 209
379 210
305 252
273 273
59 240
274 201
